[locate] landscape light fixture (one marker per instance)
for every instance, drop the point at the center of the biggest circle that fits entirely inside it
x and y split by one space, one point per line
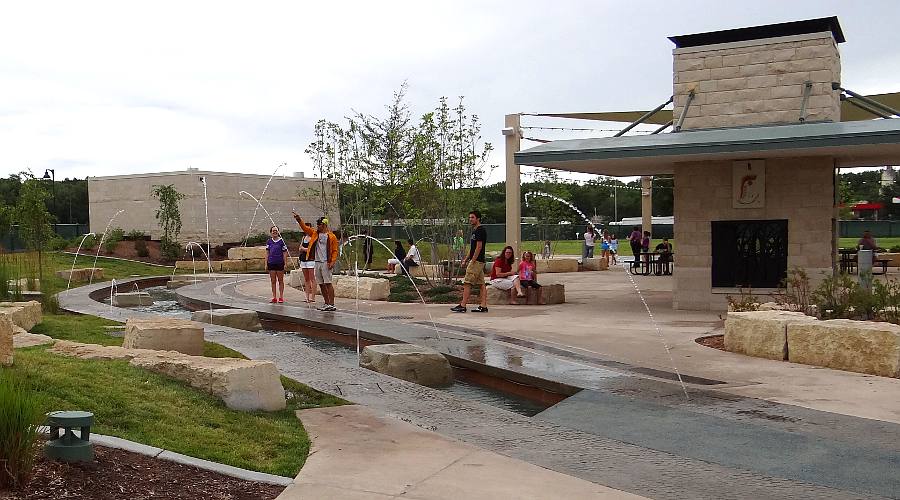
49 174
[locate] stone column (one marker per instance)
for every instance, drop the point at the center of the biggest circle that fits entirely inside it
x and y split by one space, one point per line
647 204
513 183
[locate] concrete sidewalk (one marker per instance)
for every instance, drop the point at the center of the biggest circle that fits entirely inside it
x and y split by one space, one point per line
604 318
359 454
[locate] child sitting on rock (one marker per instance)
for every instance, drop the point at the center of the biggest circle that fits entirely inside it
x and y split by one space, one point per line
528 275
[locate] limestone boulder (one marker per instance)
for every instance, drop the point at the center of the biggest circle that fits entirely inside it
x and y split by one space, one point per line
431 271
6 340
553 293
857 346
255 264
295 278
557 266
132 299
23 314
241 319
234 266
165 334
762 334
245 253
369 288
25 339
595 264
81 274
243 384
24 284
198 266
421 365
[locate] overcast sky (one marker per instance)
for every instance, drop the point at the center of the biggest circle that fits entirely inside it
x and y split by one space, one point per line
90 88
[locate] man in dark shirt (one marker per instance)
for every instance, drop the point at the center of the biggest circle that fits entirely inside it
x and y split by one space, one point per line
474 264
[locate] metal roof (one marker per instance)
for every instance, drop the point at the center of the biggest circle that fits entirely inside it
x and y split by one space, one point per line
862 143
804 27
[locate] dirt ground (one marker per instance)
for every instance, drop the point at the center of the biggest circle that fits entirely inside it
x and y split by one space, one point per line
118 474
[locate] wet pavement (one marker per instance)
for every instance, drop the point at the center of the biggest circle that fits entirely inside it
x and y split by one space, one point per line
626 430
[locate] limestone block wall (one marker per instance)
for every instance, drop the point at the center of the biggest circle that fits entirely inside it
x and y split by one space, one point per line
800 190
229 213
758 81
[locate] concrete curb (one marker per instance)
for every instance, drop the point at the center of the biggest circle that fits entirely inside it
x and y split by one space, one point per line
171 456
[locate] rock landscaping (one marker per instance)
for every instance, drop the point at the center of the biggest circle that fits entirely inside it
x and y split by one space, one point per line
242 384
241 319
167 334
859 346
81 274
557 266
418 364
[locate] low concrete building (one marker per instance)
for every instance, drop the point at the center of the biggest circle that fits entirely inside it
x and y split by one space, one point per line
756 144
230 213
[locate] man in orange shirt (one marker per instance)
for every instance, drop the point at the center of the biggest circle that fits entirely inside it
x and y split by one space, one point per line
323 249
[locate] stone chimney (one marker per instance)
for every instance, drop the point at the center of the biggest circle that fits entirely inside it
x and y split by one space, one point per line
758 75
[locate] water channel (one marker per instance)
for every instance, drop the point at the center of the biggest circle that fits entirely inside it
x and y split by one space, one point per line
343 350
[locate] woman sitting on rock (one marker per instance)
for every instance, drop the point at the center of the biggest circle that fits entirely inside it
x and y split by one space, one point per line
503 277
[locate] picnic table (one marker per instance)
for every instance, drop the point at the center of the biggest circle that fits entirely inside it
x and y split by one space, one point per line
658 263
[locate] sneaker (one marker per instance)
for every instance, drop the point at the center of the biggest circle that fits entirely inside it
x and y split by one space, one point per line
329 307
281 300
322 308
480 309
458 309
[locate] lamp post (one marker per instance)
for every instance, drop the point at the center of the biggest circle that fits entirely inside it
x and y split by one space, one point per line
50 174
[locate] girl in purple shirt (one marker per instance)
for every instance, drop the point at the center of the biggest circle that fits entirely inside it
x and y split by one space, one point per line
275 249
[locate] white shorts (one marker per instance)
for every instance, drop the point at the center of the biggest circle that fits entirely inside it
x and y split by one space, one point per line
307 264
504 283
393 262
323 274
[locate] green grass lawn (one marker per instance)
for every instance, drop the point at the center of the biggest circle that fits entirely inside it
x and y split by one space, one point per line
141 406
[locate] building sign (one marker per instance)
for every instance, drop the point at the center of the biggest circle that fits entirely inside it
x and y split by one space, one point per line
748 185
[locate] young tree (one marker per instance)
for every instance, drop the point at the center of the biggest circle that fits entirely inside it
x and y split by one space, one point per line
168 215
32 216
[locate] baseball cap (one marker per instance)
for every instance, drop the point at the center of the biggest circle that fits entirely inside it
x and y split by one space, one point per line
322 220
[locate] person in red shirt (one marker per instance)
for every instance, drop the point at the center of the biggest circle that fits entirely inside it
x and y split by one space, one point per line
503 277
528 275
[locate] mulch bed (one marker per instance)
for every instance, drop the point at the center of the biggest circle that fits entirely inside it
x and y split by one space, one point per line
714 341
118 474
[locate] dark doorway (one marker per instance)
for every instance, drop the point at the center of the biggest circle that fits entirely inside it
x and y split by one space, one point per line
749 253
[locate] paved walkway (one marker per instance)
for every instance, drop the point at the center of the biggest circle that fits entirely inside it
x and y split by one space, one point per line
360 454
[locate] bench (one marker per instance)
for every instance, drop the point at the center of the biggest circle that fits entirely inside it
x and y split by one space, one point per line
883 263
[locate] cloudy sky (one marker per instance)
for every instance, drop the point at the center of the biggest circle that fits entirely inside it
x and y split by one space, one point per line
91 88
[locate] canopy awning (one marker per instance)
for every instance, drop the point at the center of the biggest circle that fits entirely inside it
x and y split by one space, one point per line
852 144
849 112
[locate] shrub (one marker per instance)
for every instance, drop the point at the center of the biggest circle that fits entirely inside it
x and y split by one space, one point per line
136 234
895 249
140 246
58 243
169 250
112 239
795 294
832 297
19 418
258 239
746 302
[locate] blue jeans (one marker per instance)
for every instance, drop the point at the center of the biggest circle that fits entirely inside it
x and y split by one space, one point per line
588 251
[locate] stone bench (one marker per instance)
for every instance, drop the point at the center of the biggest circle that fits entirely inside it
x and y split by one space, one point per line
369 288
242 384
81 274
132 299
595 264
24 285
431 271
857 346
6 340
762 334
843 344
246 253
417 364
166 334
241 319
556 266
198 266
553 293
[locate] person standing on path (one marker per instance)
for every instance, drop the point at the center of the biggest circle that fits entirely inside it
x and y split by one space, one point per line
474 264
323 247
368 249
275 249
588 243
635 240
308 266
